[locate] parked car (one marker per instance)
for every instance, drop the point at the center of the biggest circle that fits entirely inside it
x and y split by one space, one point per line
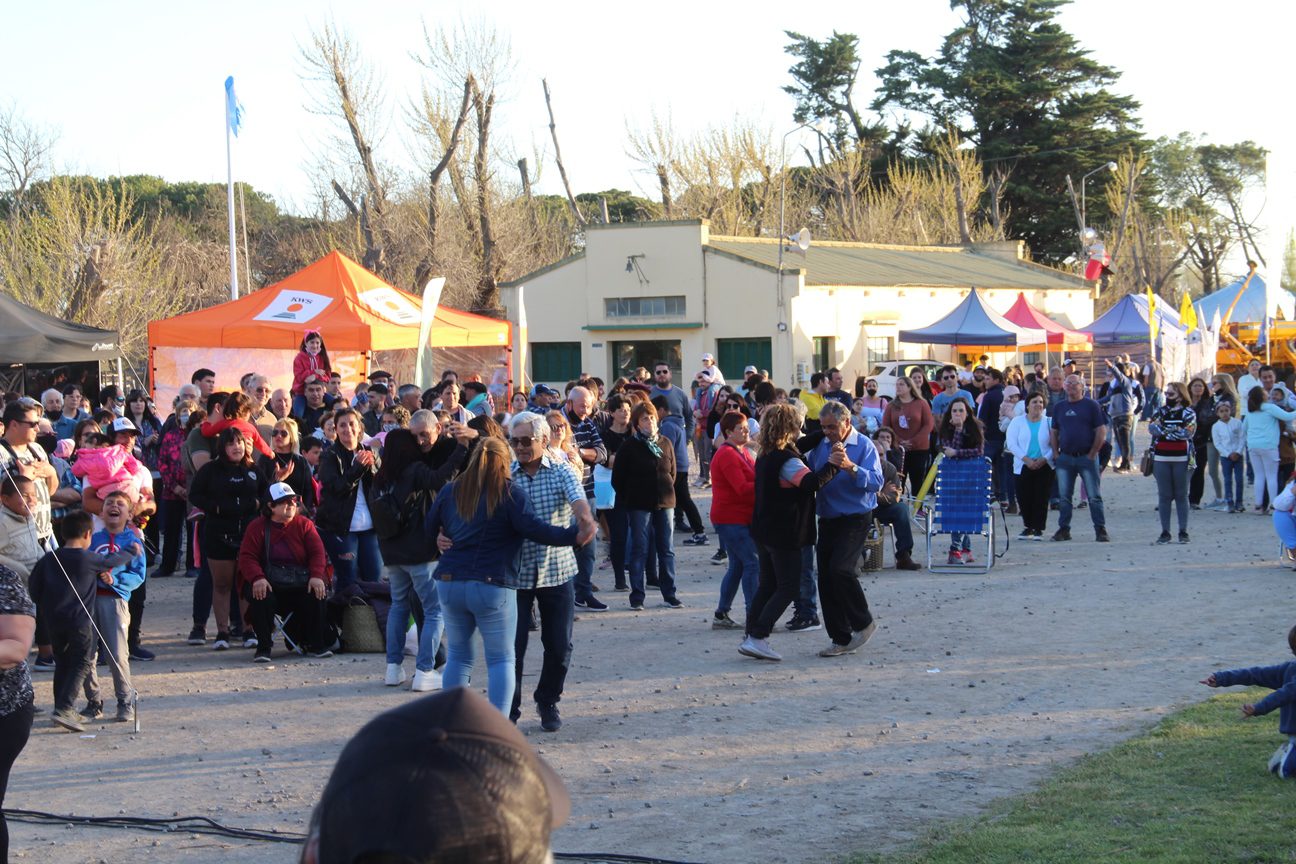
887 371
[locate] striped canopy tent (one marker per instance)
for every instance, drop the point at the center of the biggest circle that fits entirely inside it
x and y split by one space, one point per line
974 326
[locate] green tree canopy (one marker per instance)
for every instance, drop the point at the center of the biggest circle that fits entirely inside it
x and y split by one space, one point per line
1012 81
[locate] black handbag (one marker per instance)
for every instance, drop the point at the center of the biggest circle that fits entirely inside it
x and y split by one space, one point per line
283 575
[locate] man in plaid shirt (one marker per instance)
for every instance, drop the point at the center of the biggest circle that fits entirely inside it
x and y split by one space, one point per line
545 573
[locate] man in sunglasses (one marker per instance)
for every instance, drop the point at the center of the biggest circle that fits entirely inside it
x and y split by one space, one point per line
677 401
20 455
546 575
950 391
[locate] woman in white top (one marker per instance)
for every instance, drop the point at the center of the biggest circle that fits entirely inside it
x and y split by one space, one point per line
1028 441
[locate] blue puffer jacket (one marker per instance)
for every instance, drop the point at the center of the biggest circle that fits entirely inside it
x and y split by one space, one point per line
486 547
1281 679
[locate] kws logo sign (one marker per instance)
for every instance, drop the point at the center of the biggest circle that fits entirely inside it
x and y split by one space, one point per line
294 307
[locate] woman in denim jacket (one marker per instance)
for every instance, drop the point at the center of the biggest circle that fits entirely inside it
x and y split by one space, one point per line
485 518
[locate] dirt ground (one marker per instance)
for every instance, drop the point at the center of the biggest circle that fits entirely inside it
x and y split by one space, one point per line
673 745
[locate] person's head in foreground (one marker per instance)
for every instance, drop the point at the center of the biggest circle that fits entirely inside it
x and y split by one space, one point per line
445 779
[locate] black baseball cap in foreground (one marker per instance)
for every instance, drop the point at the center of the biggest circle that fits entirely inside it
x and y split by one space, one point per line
445 779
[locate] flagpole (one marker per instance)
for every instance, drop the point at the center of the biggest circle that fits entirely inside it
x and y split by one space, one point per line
229 196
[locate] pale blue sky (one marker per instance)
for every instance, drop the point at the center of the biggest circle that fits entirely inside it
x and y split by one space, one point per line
136 87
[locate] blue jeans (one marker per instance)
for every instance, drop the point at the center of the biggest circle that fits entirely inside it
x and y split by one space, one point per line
469 606
897 516
1152 404
1004 485
743 569
1067 468
637 551
1232 479
586 556
403 579
1285 525
805 606
354 555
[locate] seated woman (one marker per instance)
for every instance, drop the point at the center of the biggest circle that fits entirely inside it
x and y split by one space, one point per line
485 517
282 571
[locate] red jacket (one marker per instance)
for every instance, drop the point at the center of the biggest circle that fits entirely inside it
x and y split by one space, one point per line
211 430
302 538
305 365
733 486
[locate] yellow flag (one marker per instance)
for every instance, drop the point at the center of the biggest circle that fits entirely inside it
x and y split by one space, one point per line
1152 313
1187 314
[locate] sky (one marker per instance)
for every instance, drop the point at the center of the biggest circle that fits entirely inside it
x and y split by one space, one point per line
136 87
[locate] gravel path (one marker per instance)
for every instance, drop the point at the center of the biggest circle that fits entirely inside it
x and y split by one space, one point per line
975 687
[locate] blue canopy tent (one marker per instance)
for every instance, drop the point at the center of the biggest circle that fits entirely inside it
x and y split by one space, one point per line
1250 306
974 325
1127 322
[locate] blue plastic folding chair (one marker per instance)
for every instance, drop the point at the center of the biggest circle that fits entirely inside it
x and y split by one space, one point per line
961 504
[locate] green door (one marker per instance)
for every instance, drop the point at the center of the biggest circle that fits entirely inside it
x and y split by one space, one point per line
733 355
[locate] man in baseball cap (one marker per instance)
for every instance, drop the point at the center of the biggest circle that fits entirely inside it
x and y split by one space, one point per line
443 779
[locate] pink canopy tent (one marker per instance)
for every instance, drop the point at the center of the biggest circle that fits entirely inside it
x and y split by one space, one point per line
1064 338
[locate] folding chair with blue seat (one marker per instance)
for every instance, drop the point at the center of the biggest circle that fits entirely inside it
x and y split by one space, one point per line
961 504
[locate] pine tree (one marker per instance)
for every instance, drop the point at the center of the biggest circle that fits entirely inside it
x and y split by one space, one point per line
1032 100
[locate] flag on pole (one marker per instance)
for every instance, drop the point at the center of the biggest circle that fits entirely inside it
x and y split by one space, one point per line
1152 313
1264 331
431 300
1187 314
233 107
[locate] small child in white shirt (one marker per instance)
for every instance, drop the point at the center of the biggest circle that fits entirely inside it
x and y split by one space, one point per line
1229 441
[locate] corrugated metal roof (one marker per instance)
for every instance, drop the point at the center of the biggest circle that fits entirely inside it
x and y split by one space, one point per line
887 266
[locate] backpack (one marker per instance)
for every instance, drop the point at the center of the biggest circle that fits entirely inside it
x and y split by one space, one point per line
392 516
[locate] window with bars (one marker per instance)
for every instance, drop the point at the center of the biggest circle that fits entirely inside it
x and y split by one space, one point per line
879 349
644 307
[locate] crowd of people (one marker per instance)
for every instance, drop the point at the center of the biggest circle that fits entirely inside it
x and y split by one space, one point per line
474 517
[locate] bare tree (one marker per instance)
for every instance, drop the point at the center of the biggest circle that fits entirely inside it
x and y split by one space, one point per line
488 291
24 153
79 253
562 170
656 149
350 92
433 122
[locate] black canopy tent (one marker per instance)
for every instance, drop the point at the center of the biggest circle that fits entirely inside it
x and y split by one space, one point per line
29 338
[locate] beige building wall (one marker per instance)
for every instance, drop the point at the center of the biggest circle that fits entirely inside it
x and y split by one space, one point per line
728 297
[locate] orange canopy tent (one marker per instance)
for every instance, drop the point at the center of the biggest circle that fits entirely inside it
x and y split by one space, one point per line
355 312
1023 314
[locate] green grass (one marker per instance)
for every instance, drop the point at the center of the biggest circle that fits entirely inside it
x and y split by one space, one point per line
1194 789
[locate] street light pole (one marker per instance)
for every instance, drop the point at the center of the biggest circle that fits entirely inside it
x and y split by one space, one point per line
782 239
1084 219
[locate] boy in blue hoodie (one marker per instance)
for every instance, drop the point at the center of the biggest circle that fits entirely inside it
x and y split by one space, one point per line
1282 680
112 604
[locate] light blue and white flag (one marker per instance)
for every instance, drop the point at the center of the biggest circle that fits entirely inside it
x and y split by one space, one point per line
233 107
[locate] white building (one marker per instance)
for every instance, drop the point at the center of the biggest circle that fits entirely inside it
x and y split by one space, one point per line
641 292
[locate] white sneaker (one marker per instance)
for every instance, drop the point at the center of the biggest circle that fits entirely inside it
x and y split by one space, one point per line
759 649
395 675
425 682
